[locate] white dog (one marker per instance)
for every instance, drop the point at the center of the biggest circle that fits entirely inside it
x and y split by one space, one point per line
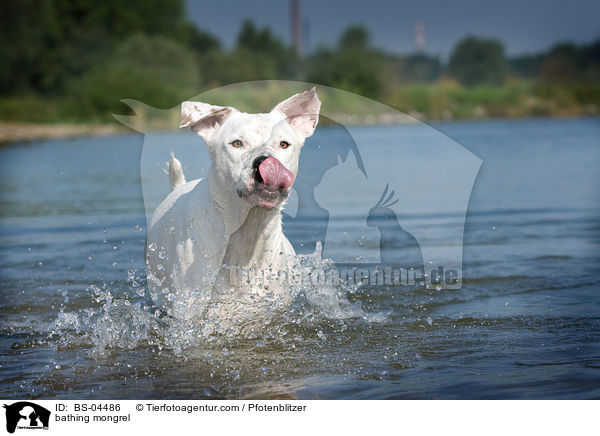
208 229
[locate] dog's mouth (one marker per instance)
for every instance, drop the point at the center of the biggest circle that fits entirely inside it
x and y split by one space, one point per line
270 184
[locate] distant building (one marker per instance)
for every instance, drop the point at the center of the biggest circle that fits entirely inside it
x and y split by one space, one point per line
420 36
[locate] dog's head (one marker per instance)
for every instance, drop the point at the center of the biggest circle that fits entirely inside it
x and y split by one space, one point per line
255 156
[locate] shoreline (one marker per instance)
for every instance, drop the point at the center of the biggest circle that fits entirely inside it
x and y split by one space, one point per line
12 132
26 132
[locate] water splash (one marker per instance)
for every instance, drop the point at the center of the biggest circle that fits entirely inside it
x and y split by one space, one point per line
131 321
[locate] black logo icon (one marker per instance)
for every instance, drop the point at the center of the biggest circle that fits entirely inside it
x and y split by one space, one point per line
26 415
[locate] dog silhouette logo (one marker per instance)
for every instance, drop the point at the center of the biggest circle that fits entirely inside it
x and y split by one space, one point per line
26 415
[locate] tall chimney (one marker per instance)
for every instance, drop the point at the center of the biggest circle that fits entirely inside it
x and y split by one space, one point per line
296 38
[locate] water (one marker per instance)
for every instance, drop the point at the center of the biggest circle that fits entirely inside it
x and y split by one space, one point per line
77 323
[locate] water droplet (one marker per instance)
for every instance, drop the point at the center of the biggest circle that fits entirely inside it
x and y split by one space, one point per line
152 246
138 228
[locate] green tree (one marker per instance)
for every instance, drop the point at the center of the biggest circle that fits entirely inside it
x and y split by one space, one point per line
198 40
45 44
354 65
259 40
154 70
258 55
354 38
562 63
266 49
28 28
477 61
590 55
420 67
525 65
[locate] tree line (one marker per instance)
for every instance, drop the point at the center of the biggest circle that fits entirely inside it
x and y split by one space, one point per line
77 59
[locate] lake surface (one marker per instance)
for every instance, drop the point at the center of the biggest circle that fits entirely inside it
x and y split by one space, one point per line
77 322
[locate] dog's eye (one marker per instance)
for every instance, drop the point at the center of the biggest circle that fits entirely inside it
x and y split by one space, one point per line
284 144
237 143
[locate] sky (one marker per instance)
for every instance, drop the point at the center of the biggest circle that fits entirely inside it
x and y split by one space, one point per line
524 26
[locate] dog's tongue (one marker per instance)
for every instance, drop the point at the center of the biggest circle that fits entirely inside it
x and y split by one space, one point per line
274 174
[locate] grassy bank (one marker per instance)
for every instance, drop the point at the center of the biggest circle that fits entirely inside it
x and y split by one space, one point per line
442 100
447 100
34 117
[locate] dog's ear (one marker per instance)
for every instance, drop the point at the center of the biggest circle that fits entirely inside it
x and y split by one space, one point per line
203 118
301 111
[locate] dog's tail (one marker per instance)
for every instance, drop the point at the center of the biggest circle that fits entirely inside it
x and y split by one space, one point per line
175 171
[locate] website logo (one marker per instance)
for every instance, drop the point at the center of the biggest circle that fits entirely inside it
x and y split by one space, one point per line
26 415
